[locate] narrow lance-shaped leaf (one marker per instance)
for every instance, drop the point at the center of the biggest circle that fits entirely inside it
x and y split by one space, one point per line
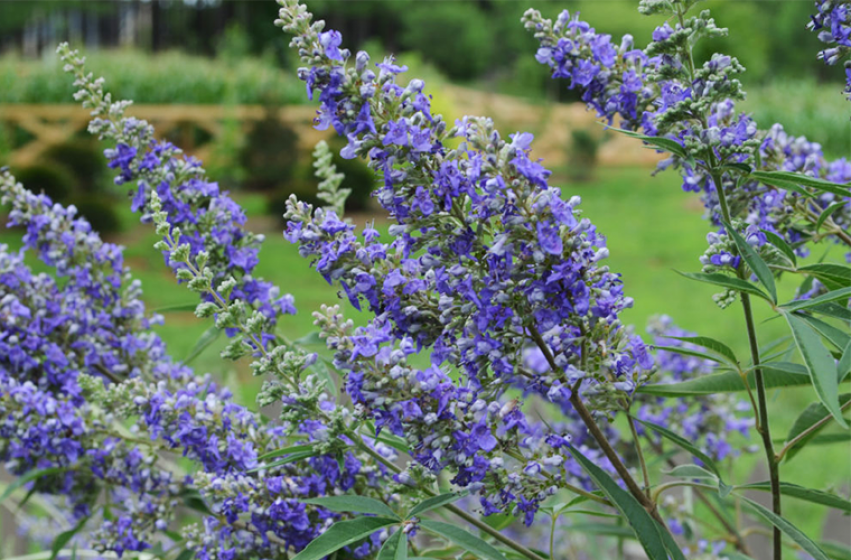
683 444
777 374
643 525
803 493
395 547
435 502
811 416
782 246
819 363
28 477
832 275
462 538
790 530
797 305
204 341
836 337
781 178
727 282
352 503
342 534
710 344
755 262
828 212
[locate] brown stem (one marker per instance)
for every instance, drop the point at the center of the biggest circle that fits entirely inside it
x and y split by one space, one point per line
599 436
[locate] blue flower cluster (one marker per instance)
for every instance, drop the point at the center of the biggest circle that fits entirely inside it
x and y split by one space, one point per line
488 263
659 92
832 22
209 221
78 361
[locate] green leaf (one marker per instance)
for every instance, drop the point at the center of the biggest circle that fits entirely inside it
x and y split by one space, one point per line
781 245
392 440
172 308
395 547
643 525
604 529
786 177
803 493
832 275
837 337
499 521
64 538
287 460
710 344
776 374
755 262
811 416
204 341
689 352
666 144
684 444
835 550
727 282
691 471
310 339
193 500
843 368
435 502
187 554
790 530
828 212
833 310
824 298
352 503
29 476
342 533
819 363
462 538
286 451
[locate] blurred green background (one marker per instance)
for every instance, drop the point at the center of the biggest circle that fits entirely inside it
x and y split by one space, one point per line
228 55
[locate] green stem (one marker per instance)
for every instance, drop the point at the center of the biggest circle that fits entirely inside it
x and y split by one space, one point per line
759 380
789 445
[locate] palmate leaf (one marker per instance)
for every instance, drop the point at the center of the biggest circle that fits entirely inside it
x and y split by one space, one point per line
755 262
819 363
462 538
352 503
790 530
811 416
802 493
343 533
646 529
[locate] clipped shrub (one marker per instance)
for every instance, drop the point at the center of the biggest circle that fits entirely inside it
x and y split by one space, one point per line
84 160
269 154
54 180
583 155
99 211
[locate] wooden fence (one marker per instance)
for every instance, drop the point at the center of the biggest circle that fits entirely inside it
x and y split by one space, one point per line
48 125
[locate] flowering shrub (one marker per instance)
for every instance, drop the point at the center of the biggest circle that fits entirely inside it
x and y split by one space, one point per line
494 377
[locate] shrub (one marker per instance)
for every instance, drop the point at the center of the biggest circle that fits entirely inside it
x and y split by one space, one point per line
51 179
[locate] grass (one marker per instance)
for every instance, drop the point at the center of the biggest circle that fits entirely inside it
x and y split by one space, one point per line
653 229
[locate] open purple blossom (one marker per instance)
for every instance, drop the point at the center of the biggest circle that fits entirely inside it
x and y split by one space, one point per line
832 23
657 91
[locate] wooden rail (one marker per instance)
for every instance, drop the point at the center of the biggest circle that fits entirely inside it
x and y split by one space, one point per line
55 124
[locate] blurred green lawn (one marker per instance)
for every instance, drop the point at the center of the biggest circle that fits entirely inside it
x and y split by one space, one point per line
653 229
